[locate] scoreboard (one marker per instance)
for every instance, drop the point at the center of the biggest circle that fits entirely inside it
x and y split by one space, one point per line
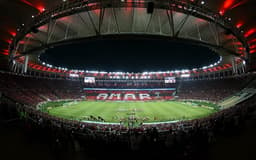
89 79
170 80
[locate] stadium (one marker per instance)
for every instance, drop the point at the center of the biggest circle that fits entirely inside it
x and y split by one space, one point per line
129 76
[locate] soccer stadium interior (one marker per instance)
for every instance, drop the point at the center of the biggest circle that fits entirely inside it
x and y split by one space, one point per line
135 79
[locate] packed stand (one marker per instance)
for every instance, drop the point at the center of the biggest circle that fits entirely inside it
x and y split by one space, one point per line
127 84
31 90
211 90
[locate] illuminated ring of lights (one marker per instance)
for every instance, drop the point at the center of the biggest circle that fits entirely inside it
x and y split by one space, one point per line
189 10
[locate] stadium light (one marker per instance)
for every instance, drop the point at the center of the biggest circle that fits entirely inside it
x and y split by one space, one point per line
143 75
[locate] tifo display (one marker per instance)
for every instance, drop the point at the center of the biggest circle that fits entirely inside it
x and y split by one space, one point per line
129 94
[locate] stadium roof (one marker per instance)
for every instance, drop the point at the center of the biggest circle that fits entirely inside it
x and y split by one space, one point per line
17 13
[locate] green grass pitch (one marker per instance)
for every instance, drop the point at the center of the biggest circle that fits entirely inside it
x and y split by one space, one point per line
114 111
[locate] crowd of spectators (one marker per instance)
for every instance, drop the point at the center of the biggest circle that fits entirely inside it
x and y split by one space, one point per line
167 134
28 91
32 90
211 90
127 84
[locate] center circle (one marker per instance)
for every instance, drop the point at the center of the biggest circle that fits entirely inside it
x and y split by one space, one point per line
129 54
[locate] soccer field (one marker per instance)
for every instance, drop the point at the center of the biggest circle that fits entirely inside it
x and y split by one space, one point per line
116 111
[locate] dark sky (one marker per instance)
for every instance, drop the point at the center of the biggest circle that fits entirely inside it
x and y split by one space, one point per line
126 55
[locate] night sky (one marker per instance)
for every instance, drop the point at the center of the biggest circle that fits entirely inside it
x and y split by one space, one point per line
137 55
